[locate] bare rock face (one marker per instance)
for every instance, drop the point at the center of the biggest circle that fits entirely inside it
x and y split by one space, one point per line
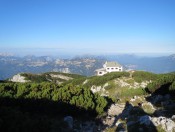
116 109
95 89
129 82
61 76
113 111
18 78
109 121
100 89
167 124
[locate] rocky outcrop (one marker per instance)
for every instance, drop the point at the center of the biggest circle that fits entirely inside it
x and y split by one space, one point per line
167 124
115 112
61 77
100 89
139 114
146 120
144 104
130 83
85 81
116 109
95 89
18 78
173 117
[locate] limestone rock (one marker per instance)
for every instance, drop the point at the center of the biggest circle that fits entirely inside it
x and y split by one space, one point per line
116 109
167 124
18 78
61 77
173 117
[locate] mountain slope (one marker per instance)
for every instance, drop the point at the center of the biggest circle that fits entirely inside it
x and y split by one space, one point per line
141 101
55 77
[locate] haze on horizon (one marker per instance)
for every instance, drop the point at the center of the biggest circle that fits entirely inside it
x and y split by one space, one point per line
87 27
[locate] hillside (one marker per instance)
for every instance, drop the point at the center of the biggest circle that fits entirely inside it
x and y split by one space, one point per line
118 83
121 101
56 77
144 101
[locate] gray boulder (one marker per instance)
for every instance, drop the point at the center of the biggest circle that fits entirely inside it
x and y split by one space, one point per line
146 120
167 124
173 117
69 121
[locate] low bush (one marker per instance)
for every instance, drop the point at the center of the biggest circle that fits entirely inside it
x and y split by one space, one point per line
140 76
165 82
78 96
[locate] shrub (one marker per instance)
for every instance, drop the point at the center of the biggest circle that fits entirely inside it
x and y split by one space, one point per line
140 76
77 96
162 82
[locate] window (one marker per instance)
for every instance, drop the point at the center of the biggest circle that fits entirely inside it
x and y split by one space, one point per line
100 72
116 68
108 68
112 68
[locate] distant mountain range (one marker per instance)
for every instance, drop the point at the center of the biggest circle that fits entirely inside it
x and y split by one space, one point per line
162 64
11 65
85 65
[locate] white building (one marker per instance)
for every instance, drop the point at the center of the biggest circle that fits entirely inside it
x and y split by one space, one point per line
109 67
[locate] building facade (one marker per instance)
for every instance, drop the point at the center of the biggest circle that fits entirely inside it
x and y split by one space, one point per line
109 67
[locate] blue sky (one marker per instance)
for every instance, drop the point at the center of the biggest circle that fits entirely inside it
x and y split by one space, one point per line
87 26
